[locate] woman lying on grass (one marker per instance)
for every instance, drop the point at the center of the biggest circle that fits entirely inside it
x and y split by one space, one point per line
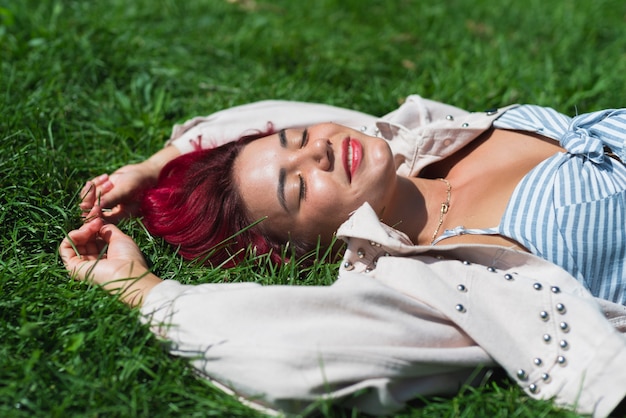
407 315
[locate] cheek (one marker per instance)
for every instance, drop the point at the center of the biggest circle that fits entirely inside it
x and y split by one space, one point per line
327 197
381 157
327 211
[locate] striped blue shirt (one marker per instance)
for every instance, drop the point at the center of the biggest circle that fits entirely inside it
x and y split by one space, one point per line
571 208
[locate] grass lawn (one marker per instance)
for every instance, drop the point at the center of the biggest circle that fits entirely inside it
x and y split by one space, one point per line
89 85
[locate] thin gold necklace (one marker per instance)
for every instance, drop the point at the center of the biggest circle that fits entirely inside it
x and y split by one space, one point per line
445 206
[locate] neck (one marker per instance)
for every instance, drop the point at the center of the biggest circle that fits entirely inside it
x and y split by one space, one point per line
416 208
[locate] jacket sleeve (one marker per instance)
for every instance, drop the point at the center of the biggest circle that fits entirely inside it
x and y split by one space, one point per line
286 347
231 124
409 327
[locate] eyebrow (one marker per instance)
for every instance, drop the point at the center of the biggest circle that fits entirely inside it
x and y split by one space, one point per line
282 174
281 189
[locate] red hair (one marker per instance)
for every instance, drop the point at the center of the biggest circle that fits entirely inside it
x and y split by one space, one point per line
197 207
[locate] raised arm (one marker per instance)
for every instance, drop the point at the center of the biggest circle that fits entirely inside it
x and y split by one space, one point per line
230 124
119 191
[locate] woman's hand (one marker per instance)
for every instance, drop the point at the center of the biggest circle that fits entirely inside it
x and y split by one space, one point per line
102 254
120 192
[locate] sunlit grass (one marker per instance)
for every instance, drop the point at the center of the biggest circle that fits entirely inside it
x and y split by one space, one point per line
86 86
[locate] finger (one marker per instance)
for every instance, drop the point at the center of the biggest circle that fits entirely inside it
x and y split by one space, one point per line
98 181
88 231
121 211
121 246
102 183
88 196
80 246
114 215
67 251
70 255
90 199
119 243
107 195
91 248
94 213
109 232
79 269
107 186
94 190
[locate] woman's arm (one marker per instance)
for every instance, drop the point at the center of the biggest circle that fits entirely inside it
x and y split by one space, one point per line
230 124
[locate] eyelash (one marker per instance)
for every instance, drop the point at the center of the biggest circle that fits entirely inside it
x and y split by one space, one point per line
305 140
302 195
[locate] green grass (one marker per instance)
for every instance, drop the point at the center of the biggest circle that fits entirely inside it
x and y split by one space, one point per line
89 85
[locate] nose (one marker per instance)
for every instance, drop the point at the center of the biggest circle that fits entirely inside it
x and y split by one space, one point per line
318 152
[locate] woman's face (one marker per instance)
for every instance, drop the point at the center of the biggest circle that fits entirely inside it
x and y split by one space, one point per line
308 181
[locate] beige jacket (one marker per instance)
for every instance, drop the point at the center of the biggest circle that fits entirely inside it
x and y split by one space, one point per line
400 321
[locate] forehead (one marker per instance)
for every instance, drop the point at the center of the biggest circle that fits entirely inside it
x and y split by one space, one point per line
256 174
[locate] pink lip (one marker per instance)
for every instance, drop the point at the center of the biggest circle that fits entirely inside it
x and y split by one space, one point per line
357 155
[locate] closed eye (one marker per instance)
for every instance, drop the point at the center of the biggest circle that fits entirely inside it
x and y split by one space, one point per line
302 194
305 138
